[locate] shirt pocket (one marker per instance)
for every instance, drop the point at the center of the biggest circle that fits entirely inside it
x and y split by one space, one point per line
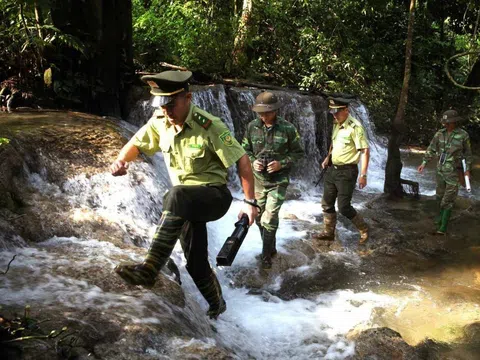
280 143
195 159
346 140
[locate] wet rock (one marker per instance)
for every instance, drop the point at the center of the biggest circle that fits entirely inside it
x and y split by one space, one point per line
56 147
382 343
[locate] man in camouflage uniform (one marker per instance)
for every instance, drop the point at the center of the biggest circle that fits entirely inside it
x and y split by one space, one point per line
273 146
198 148
451 144
349 146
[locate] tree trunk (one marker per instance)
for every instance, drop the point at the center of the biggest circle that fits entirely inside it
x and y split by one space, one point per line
102 78
394 165
242 36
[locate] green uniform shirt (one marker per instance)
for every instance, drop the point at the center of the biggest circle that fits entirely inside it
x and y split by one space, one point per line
280 142
347 140
199 154
455 145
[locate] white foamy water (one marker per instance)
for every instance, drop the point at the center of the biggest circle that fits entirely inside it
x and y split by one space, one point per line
58 272
258 326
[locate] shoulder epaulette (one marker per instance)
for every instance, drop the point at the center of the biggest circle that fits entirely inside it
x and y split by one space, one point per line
158 114
202 120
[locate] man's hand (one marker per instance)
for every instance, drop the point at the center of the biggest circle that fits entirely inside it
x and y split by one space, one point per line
258 166
119 168
251 212
273 166
467 173
362 182
421 167
325 162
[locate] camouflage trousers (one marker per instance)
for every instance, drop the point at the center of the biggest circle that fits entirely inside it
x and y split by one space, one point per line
447 189
270 198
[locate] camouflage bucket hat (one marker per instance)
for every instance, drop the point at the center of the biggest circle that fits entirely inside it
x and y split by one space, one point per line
266 102
450 116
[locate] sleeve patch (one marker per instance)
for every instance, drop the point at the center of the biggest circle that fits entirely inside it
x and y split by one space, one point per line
226 138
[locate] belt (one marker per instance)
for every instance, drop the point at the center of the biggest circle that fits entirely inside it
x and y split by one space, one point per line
346 166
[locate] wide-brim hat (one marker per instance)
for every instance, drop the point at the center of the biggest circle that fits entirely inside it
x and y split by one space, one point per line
450 116
165 85
266 102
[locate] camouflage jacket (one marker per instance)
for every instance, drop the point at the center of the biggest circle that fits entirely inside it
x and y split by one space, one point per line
280 142
456 146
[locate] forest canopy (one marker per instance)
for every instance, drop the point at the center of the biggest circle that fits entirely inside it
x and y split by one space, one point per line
355 47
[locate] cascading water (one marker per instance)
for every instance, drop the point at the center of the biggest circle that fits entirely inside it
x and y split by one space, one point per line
75 275
307 112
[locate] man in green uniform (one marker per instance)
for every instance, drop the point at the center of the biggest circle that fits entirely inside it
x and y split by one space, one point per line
451 144
198 148
273 146
349 146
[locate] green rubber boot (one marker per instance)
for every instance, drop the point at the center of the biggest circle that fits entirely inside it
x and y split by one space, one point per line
442 229
438 218
162 245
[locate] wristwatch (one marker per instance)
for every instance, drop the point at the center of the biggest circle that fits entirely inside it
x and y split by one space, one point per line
363 176
251 202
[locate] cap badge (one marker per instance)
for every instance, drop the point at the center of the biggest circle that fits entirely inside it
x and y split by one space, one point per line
152 84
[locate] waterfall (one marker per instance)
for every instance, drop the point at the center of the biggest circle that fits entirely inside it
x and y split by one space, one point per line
308 113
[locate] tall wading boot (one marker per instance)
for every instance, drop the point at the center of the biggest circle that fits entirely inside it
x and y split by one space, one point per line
163 242
274 250
438 218
442 229
329 224
210 288
268 247
362 227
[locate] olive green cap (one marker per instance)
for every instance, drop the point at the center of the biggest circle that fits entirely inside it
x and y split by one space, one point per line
167 84
450 116
338 102
266 102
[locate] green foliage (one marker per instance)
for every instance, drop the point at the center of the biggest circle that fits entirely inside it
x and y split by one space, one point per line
27 39
336 46
354 47
4 141
184 33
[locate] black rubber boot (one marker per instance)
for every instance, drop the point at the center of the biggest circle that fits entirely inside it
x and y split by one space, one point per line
268 247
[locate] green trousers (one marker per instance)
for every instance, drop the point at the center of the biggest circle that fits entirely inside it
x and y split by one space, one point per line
339 183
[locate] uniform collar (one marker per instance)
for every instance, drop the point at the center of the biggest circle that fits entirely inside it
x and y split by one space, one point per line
260 124
444 130
346 123
189 120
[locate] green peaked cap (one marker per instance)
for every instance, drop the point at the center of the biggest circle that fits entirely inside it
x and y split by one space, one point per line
167 84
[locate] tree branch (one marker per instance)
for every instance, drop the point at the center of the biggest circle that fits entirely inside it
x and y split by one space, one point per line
450 77
8 266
